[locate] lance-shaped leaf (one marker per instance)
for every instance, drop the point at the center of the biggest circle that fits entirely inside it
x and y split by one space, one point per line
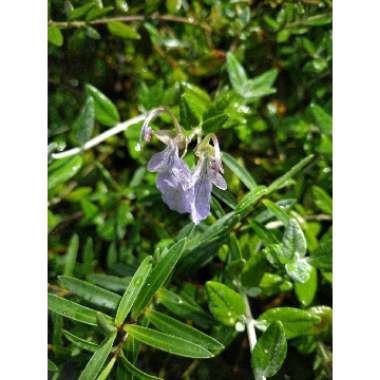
51 366
85 122
240 172
105 111
71 310
322 200
323 119
168 343
296 322
236 73
96 363
134 288
114 283
107 370
61 171
277 210
294 242
306 291
159 275
226 305
90 293
135 371
71 255
250 199
55 36
270 351
172 326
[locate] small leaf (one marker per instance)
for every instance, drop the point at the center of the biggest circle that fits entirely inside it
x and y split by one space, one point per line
321 257
122 5
95 364
135 371
105 111
51 366
90 293
296 322
107 370
85 122
294 241
239 171
325 315
323 119
261 85
88 256
134 288
159 275
80 11
306 291
71 310
226 305
270 351
322 200
279 182
214 123
71 255
173 6
299 270
55 36
236 72
174 327
79 342
277 210
119 29
250 199
61 171
114 283
167 342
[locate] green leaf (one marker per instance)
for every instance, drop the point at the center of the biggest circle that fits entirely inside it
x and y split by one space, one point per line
174 327
90 293
299 270
277 210
260 85
270 351
323 119
250 199
55 36
105 111
88 256
134 288
71 310
324 313
239 171
306 292
85 122
80 342
107 369
71 255
167 342
226 305
214 123
105 323
51 366
81 11
96 363
322 256
294 242
135 371
119 29
114 283
236 73
122 5
159 275
322 200
296 322
62 170
279 182
183 308
173 6
254 270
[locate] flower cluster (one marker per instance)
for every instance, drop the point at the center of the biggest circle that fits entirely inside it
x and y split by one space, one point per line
182 189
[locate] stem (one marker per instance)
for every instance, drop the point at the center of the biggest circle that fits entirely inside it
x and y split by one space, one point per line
250 325
98 139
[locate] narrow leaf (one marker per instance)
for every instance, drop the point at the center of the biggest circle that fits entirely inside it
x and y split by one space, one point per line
239 171
71 255
250 199
85 122
114 283
80 342
51 366
66 169
168 343
236 73
55 36
107 369
133 290
294 241
119 29
135 371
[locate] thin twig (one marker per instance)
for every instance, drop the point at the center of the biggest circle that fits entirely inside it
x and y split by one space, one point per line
80 24
98 139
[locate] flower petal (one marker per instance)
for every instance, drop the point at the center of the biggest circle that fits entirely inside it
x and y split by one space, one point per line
200 208
160 161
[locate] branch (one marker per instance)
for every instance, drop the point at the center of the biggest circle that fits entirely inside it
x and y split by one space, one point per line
80 24
98 139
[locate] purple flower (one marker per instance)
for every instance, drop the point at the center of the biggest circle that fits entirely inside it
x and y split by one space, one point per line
174 178
206 174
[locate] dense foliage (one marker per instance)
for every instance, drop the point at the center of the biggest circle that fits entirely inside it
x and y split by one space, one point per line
139 291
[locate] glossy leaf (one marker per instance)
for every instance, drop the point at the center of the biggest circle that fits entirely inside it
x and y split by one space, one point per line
270 351
114 283
299 270
80 342
168 343
95 364
296 322
322 200
174 327
85 122
107 369
323 119
90 293
51 366
226 305
250 199
159 275
66 169
105 111
134 288
306 291
236 73
294 242
55 36
277 210
135 371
